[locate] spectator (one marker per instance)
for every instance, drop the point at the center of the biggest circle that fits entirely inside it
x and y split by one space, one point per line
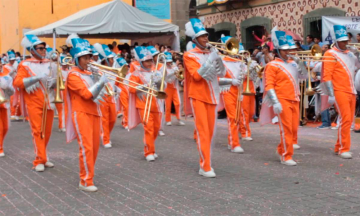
264 40
111 47
358 37
115 48
157 46
317 40
298 45
162 48
310 41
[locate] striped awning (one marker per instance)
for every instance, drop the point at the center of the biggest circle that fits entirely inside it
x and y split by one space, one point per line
211 2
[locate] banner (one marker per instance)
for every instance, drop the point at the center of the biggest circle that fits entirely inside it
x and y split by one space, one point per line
211 2
352 25
157 8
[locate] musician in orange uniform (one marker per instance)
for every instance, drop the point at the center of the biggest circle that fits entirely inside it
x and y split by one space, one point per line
338 85
60 106
108 107
155 54
248 101
10 69
202 91
282 93
145 75
172 91
124 93
36 79
6 90
82 111
230 91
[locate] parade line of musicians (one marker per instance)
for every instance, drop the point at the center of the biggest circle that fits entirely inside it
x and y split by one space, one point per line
212 81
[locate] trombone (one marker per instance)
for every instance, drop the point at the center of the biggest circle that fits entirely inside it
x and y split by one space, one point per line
231 46
314 54
2 97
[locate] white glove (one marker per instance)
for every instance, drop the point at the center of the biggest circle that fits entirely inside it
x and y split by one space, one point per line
331 100
140 94
235 82
104 79
295 58
353 49
213 56
51 82
277 108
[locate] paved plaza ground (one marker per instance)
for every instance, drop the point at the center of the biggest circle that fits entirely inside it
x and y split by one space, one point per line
253 183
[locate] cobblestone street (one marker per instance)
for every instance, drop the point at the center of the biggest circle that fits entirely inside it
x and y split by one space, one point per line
253 183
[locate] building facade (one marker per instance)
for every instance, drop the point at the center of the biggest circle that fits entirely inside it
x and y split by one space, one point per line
19 16
240 18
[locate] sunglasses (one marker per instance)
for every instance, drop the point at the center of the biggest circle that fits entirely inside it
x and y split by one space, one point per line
40 48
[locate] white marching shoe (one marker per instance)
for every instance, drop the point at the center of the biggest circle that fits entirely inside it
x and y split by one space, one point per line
209 174
161 133
296 146
346 155
40 168
92 188
62 130
49 164
237 149
290 162
180 123
2 154
150 158
247 139
108 145
168 124
156 155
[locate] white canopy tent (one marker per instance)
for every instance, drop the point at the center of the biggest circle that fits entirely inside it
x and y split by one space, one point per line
114 19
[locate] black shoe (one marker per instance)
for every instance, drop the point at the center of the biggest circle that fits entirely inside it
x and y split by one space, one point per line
357 131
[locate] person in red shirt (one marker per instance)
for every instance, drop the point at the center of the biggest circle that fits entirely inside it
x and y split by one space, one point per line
282 94
203 66
83 115
6 90
338 85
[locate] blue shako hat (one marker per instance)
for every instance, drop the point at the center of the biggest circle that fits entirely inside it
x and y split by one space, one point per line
121 61
11 55
291 42
168 57
195 28
142 54
340 33
152 50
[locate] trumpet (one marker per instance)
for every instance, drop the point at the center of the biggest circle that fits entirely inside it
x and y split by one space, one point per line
179 74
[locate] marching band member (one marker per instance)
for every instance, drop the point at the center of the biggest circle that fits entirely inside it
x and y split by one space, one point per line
143 75
202 67
248 101
124 94
10 69
36 79
95 55
230 86
172 91
60 106
6 90
83 115
282 93
155 54
292 48
338 84
108 107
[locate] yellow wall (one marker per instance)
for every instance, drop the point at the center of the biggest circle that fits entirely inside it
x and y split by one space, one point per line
16 15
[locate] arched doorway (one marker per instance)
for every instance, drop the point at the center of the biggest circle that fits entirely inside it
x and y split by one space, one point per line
257 24
226 28
312 21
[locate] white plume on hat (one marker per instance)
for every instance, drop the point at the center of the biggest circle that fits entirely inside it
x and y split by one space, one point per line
98 47
25 42
274 38
189 46
189 31
68 40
